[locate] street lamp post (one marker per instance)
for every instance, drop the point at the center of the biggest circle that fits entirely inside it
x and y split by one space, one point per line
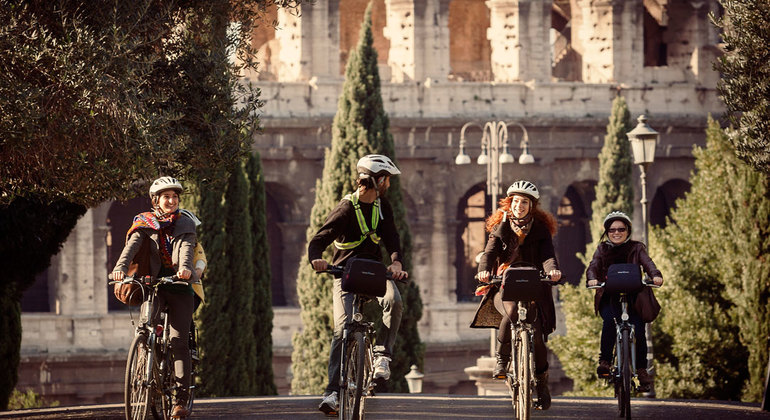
494 153
643 142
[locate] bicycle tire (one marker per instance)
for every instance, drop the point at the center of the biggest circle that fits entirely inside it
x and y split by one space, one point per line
626 374
353 379
136 391
510 377
524 374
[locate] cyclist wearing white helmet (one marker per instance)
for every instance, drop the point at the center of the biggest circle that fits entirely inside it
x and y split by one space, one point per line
519 232
617 247
356 227
161 243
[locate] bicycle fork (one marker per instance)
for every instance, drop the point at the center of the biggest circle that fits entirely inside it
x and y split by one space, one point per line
619 327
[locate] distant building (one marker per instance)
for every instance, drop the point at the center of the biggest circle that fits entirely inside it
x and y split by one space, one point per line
551 67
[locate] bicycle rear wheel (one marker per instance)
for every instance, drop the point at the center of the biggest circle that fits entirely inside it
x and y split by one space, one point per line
523 375
136 392
626 374
353 379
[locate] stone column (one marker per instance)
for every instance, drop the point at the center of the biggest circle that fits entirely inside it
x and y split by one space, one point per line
519 40
309 42
419 39
612 37
705 38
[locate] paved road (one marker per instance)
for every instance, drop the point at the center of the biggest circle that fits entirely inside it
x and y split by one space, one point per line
424 407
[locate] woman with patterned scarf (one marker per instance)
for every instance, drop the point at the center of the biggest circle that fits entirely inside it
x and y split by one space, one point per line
519 232
161 243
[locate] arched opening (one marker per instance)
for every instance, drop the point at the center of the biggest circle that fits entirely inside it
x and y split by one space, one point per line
469 49
664 200
275 238
120 216
351 17
574 217
655 46
566 63
472 210
35 298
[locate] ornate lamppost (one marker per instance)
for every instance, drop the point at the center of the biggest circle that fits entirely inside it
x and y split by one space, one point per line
643 142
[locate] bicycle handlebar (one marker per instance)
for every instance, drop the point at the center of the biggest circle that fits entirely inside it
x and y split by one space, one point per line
649 283
545 278
338 269
148 280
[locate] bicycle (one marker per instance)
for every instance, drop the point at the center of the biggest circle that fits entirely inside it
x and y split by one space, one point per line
357 364
520 377
624 280
149 378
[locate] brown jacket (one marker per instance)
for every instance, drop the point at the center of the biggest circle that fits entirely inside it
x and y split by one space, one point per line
632 252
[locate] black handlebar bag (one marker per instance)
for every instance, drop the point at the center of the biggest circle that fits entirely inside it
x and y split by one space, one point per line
522 284
624 278
364 277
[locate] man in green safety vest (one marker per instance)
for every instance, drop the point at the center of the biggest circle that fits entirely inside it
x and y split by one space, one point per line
357 226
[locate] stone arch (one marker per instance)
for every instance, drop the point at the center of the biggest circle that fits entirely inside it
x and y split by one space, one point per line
566 62
574 217
119 218
665 198
469 49
472 210
351 17
279 211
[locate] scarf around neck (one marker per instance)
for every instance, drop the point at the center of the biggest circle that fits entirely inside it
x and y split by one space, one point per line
164 225
521 227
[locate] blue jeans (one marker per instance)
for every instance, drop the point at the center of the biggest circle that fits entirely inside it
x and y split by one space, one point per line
392 308
610 309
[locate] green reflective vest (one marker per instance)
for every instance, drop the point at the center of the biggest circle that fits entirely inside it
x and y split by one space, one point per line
365 231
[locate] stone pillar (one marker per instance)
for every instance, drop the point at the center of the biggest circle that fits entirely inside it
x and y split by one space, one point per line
519 38
309 42
418 32
705 38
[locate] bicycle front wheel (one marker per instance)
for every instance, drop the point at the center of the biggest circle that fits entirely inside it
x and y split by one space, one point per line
523 375
136 392
625 408
353 380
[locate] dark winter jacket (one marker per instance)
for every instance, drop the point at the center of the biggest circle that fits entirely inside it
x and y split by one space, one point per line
503 247
341 225
632 252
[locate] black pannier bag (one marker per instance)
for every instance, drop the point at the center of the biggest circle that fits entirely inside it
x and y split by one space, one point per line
522 284
624 278
365 277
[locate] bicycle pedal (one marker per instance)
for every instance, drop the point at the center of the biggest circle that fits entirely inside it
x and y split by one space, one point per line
537 406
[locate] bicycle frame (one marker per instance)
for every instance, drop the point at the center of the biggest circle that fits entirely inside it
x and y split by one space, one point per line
520 379
362 385
621 326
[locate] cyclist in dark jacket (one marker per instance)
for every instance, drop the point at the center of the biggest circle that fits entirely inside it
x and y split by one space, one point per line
520 232
356 227
172 239
618 248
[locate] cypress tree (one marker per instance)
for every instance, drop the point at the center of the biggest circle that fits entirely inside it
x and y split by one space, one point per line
578 350
716 254
263 309
360 127
745 78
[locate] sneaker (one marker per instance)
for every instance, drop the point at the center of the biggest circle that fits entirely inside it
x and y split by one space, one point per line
382 367
603 371
330 404
645 380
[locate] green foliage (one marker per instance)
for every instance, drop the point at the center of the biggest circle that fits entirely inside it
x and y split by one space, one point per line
717 279
31 231
745 78
360 127
578 350
263 309
30 399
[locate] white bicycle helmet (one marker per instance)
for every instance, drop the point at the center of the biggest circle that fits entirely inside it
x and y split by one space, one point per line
616 215
376 165
524 188
165 183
